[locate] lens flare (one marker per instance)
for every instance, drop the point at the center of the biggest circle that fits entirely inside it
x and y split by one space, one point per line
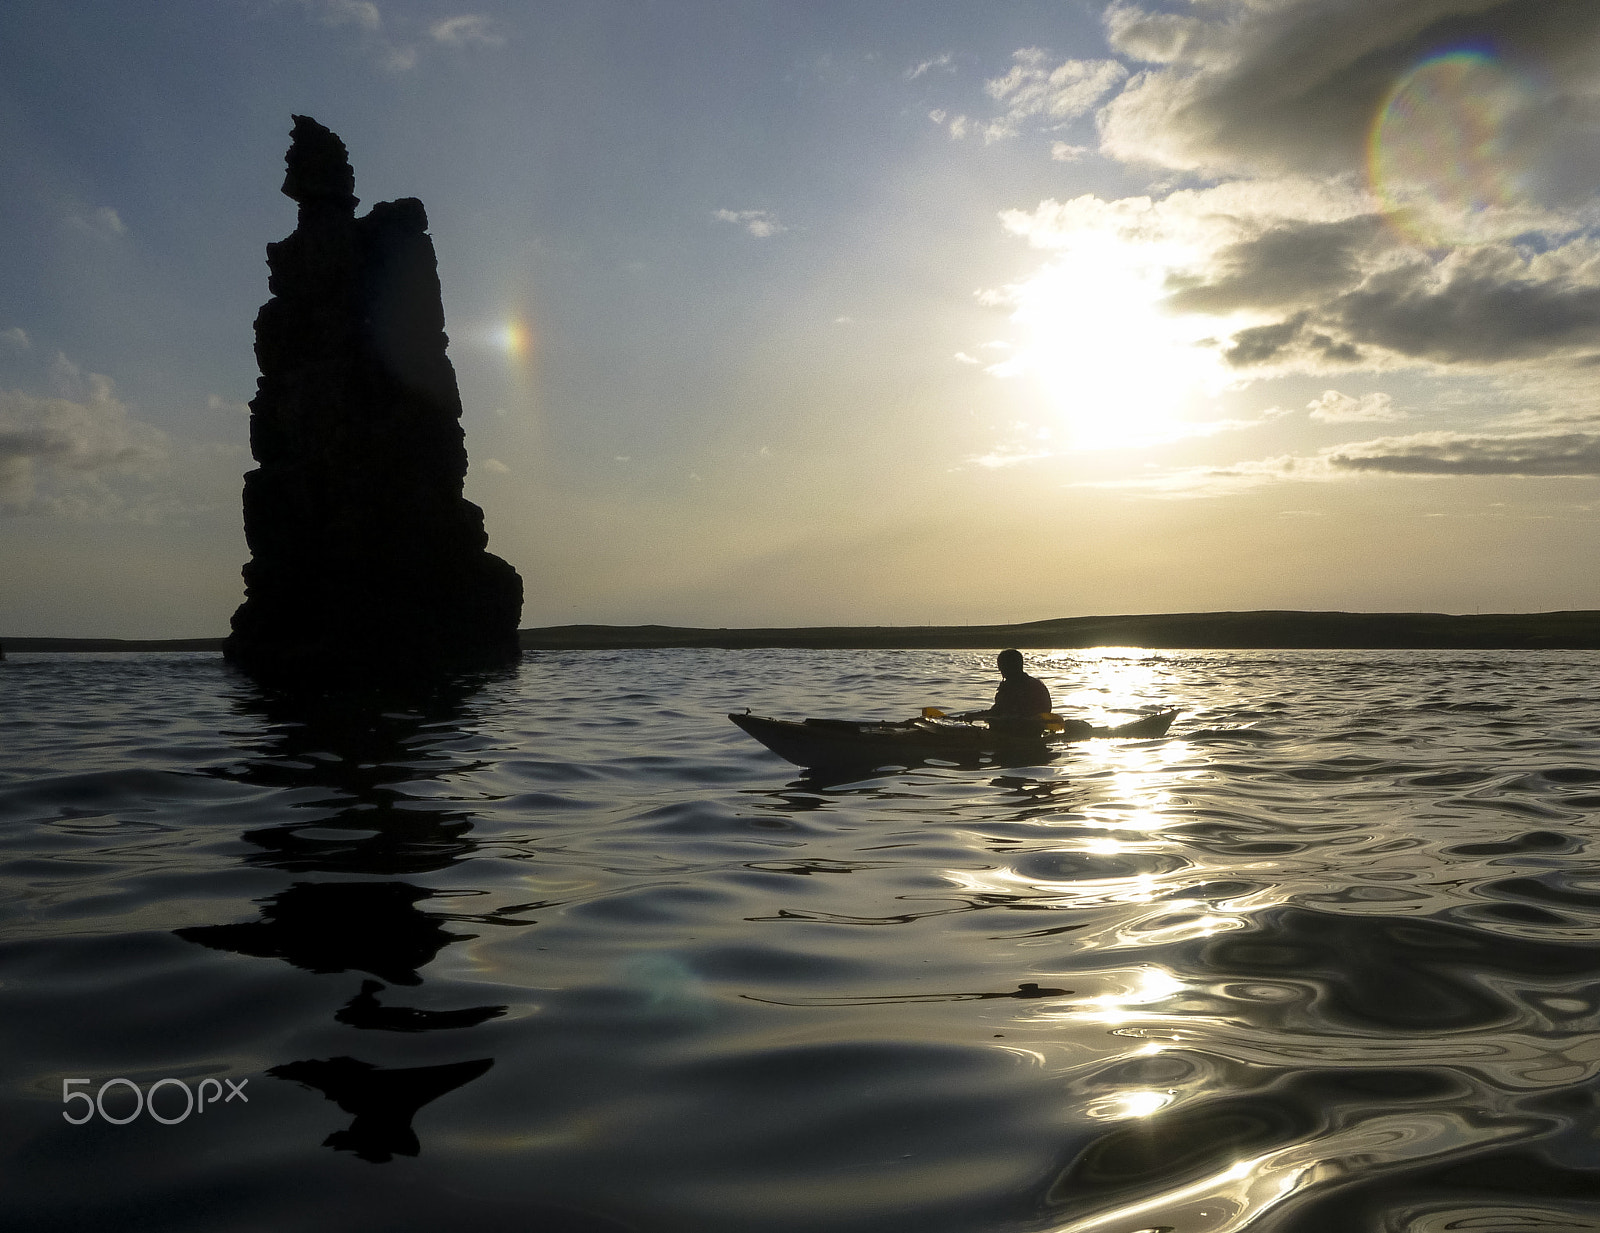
511 384
1442 156
515 338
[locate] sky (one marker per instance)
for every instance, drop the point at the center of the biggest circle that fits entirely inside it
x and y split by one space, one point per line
840 311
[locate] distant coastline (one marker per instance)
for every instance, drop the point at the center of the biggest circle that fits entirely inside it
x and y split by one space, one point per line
1174 631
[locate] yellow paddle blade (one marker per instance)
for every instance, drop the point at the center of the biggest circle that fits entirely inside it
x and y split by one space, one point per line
1052 722
932 712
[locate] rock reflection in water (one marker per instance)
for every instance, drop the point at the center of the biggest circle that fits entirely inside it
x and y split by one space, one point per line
371 927
365 754
365 1011
350 757
382 1101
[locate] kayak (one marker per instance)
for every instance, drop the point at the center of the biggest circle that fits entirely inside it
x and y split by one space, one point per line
871 743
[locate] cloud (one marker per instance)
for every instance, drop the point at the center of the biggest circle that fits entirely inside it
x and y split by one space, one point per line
759 223
1313 232
16 337
1245 87
1307 276
1035 90
1189 430
1210 428
1037 94
1481 306
1286 262
494 466
466 31
1335 408
103 223
1206 482
366 19
1484 305
1430 455
1009 456
938 62
1023 442
57 453
1455 453
1206 221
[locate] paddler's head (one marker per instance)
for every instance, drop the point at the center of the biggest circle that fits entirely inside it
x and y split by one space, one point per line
1009 663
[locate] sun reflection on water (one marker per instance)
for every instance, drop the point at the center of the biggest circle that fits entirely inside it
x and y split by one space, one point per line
1149 986
1225 1202
1103 847
1116 676
1129 1105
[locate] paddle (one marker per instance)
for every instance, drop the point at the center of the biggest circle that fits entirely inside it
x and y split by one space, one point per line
1051 722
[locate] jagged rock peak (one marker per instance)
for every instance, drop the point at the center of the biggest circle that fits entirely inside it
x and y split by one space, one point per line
318 166
367 558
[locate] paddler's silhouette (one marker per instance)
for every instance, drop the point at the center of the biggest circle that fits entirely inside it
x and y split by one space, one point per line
1022 702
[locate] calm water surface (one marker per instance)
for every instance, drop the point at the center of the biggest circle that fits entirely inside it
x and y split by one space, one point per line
562 950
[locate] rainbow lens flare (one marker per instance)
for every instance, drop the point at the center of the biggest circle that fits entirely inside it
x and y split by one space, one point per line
1442 155
515 338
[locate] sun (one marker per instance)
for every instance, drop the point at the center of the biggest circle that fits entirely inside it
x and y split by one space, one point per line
1111 366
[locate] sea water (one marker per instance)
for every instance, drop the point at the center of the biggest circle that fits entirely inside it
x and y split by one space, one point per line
559 949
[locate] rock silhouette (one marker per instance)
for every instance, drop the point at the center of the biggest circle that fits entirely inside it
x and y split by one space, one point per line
365 556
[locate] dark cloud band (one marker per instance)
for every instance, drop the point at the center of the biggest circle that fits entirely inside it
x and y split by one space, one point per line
1490 305
1563 454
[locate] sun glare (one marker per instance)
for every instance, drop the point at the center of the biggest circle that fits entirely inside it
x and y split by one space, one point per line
1115 369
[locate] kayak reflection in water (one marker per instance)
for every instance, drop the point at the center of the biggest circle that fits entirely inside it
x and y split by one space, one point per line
1021 704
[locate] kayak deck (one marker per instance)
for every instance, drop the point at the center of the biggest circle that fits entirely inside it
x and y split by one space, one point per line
869 743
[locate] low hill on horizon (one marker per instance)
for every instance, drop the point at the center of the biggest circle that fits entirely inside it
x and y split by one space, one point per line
1286 629
1258 630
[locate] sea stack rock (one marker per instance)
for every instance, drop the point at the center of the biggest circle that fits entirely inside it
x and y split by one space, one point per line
365 557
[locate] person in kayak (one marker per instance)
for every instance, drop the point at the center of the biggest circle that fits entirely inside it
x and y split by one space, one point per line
1020 703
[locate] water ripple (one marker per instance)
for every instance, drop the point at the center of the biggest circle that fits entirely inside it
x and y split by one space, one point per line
560 948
